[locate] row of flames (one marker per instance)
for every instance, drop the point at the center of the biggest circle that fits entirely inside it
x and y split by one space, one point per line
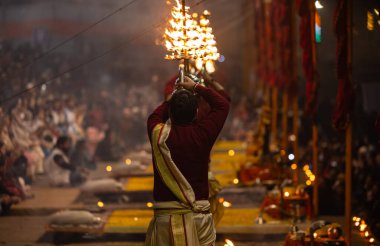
190 37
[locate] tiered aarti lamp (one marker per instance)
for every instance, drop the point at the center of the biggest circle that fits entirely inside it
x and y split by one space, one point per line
208 52
182 38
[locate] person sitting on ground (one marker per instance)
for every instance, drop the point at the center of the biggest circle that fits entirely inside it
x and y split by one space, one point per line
60 170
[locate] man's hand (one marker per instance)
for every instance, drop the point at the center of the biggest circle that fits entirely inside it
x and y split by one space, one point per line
188 83
207 77
209 81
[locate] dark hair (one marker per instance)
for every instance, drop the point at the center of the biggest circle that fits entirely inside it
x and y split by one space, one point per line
62 140
183 107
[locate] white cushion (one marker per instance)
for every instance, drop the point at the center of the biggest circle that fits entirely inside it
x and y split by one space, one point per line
101 186
73 218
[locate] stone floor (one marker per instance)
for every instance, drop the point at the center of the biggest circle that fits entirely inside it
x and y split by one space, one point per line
25 225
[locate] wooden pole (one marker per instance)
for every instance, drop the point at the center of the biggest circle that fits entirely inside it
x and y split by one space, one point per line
294 87
348 182
274 117
285 109
315 170
249 50
295 133
314 127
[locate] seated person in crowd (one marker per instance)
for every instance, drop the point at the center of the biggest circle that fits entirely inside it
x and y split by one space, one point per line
10 191
60 170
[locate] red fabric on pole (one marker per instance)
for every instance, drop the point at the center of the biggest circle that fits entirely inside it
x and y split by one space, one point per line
345 97
306 41
285 44
377 124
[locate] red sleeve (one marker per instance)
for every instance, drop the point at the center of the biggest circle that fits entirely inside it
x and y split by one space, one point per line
225 95
211 125
159 115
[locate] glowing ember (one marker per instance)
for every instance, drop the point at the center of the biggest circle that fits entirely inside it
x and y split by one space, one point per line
227 204
308 173
362 226
312 178
228 242
210 66
128 162
231 152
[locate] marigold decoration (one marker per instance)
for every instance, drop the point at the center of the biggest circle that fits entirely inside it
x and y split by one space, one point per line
306 38
345 97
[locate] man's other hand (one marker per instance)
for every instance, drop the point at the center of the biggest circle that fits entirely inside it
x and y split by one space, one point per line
188 83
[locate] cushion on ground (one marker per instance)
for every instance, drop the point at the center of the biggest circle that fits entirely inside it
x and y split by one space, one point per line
144 157
74 218
133 167
101 186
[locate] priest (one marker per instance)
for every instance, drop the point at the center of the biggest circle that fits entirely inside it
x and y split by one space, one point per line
181 147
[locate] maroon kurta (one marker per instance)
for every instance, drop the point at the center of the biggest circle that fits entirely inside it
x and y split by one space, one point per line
190 144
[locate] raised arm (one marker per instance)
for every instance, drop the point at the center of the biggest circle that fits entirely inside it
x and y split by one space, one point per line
210 82
159 115
211 125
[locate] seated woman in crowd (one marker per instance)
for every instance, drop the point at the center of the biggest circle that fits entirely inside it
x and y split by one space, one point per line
60 170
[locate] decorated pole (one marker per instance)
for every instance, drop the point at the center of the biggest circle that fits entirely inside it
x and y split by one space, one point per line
348 183
293 87
307 12
274 142
286 65
272 69
314 96
284 127
345 97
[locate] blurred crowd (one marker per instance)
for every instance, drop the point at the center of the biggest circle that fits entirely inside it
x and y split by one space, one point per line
331 158
69 120
365 170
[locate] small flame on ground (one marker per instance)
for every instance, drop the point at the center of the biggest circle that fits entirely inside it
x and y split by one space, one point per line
109 168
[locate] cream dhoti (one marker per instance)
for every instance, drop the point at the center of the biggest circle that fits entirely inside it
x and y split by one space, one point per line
177 224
